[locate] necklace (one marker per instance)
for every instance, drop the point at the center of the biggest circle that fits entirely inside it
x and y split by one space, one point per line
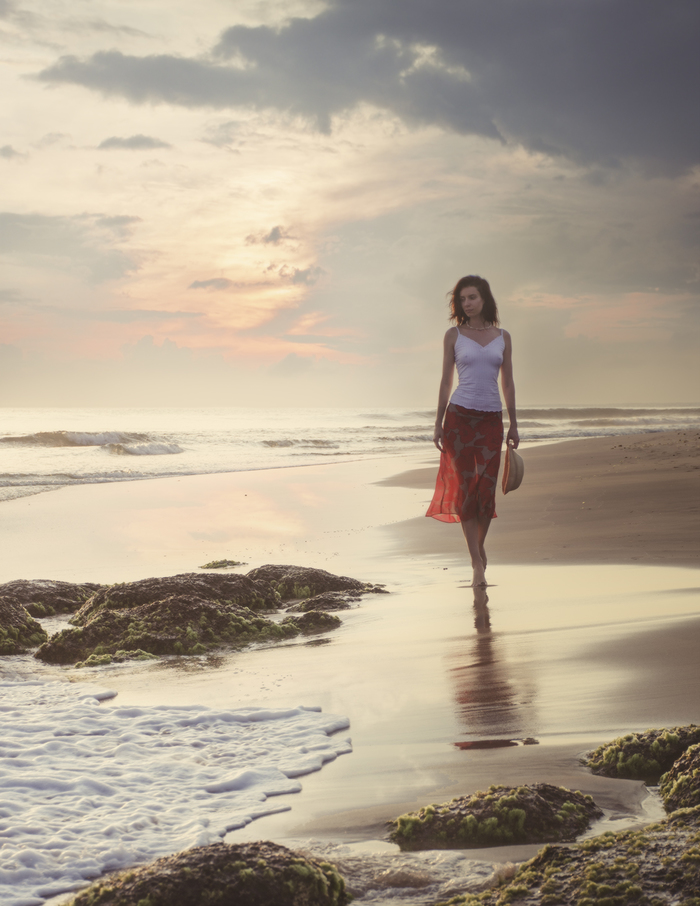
478 328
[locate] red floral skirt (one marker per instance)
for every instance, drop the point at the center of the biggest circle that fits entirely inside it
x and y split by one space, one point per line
469 462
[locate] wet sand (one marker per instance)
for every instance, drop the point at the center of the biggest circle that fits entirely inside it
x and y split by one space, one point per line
632 499
578 642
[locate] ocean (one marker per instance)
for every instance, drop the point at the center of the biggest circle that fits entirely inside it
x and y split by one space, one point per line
45 449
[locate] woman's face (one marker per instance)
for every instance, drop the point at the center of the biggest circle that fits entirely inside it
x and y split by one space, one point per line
471 301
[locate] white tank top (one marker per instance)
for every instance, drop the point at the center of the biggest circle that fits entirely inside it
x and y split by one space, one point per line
478 368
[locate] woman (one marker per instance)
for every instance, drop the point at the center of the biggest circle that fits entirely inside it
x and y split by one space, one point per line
469 426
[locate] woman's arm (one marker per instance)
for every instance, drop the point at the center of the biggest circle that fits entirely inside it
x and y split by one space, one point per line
448 370
508 387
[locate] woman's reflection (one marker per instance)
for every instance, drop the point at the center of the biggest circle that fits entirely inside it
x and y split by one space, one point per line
495 704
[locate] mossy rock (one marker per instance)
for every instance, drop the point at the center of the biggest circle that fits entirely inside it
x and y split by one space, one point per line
652 867
246 874
329 600
47 597
540 813
293 582
119 657
313 621
178 624
680 787
642 756
18 630
228 589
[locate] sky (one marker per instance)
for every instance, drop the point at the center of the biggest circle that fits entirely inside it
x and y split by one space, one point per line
265 203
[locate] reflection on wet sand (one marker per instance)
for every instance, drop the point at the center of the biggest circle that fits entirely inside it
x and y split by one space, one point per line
496 699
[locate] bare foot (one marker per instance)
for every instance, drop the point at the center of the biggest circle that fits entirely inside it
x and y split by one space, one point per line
479 577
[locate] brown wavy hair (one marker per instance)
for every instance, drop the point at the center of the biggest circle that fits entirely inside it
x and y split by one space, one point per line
490 310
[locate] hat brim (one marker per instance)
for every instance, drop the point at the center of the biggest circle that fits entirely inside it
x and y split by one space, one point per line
513 471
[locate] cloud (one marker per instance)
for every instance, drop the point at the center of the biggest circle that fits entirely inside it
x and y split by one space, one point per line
217 284
100 25
12 297
306 276
276 235
589 79
120 224
133 143
8 152
65 242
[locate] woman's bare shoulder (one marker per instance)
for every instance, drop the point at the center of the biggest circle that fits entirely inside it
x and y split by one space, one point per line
451 335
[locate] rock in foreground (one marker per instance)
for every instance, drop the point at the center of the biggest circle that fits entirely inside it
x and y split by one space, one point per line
642 756
46 597
540 813
655 866
177 624
246 874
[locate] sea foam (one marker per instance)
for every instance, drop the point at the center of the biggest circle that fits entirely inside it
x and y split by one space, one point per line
87 788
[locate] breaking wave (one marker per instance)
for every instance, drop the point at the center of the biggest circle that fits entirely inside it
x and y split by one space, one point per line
152 449
75 438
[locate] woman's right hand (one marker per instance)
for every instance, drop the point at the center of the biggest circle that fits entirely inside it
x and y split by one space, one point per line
438 437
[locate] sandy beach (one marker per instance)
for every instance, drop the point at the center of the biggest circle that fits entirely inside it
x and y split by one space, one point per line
590 628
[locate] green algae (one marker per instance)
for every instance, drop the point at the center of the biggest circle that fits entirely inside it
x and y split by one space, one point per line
16 639
500 816
608 871
249 874
642 756
100 658
680 786
181 625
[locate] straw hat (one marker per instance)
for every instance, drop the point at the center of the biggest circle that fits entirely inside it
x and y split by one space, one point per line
513 470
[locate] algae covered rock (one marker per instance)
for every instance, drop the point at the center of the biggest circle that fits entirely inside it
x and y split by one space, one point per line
313 621
655 866
246 874
46 597
642 756
540 813
306 582
228 589
18 631
177 624
185 614
680 787
329 600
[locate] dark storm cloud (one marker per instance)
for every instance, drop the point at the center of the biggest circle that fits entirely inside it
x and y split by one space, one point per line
595 80
132 143
65 242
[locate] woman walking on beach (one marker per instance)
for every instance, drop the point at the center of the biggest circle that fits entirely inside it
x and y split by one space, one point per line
469 425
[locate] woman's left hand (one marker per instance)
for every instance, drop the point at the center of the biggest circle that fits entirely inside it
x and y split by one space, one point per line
513 437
